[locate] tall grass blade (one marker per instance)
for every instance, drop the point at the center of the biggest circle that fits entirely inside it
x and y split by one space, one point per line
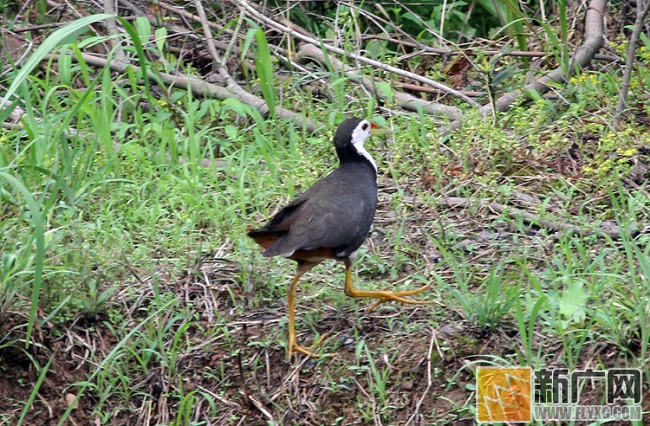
39 236
139 50
57 38
263 65
513 16
34 392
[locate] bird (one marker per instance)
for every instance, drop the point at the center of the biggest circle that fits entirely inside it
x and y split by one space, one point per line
331 220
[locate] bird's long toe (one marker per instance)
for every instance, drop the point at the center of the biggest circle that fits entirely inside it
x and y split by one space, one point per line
399 296
295 347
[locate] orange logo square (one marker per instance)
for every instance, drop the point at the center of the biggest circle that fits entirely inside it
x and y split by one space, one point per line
503 394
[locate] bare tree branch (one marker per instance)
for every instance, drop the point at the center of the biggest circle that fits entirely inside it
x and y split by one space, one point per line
629 62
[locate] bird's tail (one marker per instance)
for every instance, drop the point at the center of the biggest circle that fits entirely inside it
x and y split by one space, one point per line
264 237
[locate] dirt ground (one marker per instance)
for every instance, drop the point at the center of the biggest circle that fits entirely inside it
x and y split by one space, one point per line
425 381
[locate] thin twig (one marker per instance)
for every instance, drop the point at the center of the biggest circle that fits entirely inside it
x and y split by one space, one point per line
436 51
32 28
429 378
425 89
22 10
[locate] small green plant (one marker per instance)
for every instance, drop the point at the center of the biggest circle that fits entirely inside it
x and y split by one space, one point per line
490 304
377 379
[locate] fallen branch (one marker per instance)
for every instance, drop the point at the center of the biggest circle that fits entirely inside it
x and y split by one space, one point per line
424 89
404 100
613 231
205 89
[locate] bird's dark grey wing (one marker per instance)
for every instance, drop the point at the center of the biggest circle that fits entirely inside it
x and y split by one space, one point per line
323 224
336 212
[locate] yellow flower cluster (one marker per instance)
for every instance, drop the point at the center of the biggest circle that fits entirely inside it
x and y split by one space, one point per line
626 152
602 169
583 78
644 53
619 48
611 157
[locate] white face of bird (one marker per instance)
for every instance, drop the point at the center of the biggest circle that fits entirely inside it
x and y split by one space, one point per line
360 135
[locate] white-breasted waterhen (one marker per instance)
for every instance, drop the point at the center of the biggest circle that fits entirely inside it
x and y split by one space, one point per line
330 221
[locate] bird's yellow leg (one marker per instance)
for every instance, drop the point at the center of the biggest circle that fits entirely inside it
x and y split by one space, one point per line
293 344
382 295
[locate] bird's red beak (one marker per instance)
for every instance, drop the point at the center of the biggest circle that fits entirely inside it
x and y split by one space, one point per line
376 130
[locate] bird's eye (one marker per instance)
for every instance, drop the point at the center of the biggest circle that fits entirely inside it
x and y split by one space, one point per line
364 127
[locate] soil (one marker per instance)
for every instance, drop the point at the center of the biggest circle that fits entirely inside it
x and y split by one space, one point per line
256 382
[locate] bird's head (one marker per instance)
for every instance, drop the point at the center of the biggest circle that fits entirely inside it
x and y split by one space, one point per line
351 136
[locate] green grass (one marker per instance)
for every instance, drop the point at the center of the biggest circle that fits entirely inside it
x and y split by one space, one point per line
139 267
